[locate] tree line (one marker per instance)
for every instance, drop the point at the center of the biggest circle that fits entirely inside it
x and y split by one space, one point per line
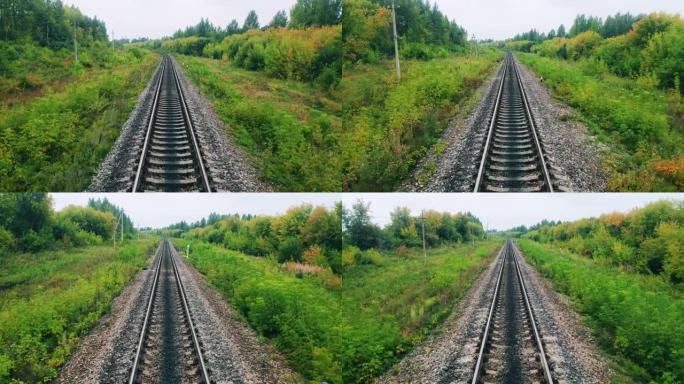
304 14
406 229
48 23
28 223
303 234
629 46
648 240
614 25
424 31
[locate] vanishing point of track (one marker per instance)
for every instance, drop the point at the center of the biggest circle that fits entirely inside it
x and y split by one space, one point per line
512 159
511 349
168 349
170 158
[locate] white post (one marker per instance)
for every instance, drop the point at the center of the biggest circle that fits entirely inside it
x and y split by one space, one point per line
396 43
422 217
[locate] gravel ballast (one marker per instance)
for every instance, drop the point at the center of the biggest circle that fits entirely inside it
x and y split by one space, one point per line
230 169
574 157
450 353
232 351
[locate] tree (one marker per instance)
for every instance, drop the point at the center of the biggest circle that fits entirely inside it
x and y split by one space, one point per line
307 13
279 20
251 22
561 31
359 229
233 28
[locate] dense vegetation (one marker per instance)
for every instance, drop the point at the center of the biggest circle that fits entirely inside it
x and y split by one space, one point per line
640 65
56 291
303 234
648 240
424 31
405 230
307 48
290 128
55 142
60 112
337 330
37 39
48 300
637 318
339 316
29 224
389 125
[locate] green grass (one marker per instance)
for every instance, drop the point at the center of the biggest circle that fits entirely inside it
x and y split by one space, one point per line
350 332
56 141
389 126
48 300
632 117
636 318
289 127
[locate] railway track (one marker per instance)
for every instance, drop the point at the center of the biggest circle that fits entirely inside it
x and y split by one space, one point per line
511 349
512 158
168 349
170 159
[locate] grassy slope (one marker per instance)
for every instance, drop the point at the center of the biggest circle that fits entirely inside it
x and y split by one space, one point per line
289 127
390 125
636 318
49 299
54 142
351 332
637 121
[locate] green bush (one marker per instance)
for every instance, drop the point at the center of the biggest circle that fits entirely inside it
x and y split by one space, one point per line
636 318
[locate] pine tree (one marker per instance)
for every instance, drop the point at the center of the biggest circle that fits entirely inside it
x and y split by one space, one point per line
251 22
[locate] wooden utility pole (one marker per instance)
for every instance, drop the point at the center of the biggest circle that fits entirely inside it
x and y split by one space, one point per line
396 42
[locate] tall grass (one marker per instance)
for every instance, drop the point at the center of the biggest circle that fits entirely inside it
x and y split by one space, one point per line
49 300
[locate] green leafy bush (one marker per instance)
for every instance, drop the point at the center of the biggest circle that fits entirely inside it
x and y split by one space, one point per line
637 318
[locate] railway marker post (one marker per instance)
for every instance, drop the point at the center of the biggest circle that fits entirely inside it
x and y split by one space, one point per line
396 43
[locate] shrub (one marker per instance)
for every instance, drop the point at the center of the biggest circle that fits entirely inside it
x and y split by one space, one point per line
583 44
290 249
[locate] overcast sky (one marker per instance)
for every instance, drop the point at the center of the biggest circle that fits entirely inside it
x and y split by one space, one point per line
504 211
160 210
159 18
501 19
497 19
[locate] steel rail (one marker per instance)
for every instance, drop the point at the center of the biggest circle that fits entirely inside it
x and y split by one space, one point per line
485 335
191 132
533 127
150 125
533 322
146 323
198 350
509 250
490 133
509 61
